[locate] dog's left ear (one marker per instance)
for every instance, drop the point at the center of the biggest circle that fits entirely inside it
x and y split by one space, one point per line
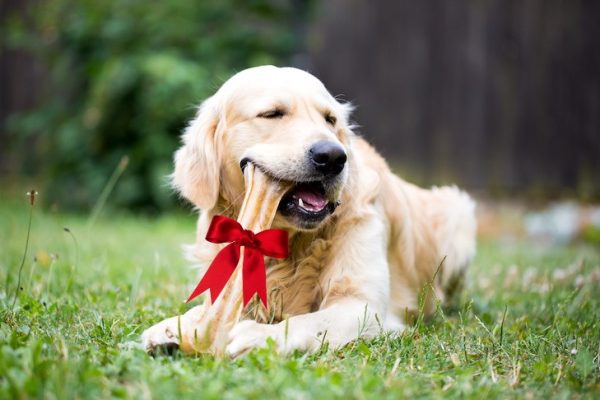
197 162
346 110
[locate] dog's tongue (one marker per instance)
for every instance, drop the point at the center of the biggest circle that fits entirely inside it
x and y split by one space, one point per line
313 200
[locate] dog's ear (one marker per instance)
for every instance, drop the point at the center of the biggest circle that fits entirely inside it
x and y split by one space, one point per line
197 162
346 130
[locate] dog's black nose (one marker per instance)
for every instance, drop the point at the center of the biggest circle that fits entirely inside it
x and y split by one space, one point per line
327 157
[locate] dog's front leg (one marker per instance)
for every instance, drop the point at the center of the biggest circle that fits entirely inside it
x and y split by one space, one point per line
171 333
335 325
356 292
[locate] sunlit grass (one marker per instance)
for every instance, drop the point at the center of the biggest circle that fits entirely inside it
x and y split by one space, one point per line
527 325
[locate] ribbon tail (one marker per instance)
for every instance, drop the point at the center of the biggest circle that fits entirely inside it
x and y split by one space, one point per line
255 276
218 273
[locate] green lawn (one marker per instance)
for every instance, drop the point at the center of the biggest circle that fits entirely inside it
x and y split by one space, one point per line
75 327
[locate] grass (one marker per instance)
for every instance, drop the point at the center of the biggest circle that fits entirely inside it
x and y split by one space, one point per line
528 325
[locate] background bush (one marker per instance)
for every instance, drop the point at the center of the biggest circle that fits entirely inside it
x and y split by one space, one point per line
125 78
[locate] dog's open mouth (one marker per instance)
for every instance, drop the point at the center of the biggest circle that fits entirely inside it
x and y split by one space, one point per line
307 202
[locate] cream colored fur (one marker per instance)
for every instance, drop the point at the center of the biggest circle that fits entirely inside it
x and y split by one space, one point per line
365 267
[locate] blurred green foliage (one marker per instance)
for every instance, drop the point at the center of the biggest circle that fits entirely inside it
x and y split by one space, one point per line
126 76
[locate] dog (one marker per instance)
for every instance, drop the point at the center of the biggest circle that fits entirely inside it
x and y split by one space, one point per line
368 251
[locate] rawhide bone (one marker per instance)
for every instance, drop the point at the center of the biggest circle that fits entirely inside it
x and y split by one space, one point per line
212 322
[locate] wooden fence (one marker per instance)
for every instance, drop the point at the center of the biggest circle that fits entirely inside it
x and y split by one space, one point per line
493 94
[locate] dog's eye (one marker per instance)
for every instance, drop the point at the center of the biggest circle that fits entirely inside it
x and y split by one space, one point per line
277 113
330 119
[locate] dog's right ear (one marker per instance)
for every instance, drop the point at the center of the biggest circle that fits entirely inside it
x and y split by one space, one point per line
197 162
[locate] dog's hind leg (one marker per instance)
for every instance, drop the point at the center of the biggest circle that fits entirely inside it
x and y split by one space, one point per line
456 237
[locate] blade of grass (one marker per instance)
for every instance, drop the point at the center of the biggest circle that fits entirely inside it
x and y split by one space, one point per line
73 265
108 188
31 194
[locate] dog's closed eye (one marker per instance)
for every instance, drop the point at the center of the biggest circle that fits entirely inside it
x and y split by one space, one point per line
272 114
330 119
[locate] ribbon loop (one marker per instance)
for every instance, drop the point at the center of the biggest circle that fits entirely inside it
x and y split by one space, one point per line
270 242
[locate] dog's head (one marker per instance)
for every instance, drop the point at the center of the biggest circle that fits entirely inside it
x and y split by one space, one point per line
282 120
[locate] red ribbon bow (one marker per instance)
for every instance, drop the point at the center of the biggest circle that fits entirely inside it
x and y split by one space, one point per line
271 242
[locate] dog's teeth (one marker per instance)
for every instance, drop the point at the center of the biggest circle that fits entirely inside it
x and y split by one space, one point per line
301 203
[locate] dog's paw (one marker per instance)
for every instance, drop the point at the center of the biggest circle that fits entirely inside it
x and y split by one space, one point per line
161 338
248 335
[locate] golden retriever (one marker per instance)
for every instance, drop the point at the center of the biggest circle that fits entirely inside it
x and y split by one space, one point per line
367 249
